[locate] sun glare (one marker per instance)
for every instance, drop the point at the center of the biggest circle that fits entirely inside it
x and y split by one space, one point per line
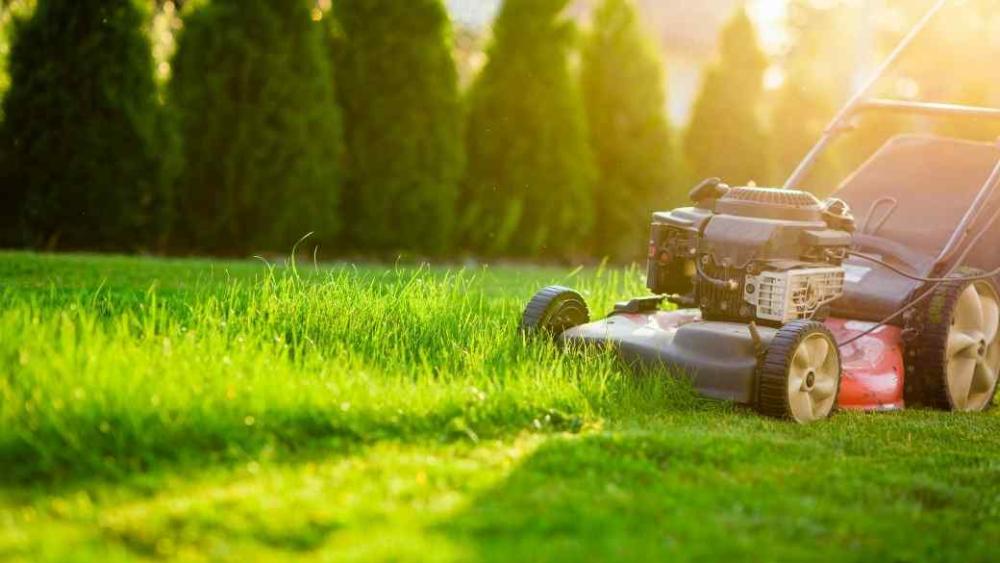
770 17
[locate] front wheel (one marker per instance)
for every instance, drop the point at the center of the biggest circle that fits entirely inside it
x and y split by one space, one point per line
554 310
799 377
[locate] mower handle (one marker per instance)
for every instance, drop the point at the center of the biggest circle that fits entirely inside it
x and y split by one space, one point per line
927 109
836 125
860 102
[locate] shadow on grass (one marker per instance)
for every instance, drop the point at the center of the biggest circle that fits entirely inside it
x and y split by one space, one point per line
687 482
37 462
743 488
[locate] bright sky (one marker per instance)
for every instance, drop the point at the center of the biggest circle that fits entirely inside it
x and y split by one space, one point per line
769 15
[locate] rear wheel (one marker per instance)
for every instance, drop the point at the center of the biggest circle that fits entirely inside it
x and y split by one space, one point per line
957 354
799 378
554 310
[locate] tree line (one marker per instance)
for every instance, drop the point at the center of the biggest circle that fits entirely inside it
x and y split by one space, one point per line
280 119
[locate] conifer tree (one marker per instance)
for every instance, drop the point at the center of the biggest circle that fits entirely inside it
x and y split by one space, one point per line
530 169
623 89
82 151
817 80
726 137
800 113
259 124
398 86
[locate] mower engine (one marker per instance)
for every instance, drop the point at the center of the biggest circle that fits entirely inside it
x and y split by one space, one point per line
751 254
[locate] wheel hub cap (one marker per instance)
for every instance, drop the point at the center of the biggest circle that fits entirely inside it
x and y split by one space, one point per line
973 352
812 379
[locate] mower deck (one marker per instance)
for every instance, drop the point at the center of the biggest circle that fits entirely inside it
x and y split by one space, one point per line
721 358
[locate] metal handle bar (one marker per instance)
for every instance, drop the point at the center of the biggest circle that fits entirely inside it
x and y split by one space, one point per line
836 125
928 109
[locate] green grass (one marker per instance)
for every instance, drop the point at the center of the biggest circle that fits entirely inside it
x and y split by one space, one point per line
157 409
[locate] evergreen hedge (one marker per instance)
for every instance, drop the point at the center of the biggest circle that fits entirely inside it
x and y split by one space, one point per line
260 126
530 170
623 89
398 86
84 148
726 137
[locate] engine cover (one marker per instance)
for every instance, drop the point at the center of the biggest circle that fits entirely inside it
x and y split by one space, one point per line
752 253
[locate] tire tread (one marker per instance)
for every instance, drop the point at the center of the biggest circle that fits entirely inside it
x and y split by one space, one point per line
926 382
534 318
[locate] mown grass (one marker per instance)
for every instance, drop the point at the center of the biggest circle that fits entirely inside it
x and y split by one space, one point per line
210 410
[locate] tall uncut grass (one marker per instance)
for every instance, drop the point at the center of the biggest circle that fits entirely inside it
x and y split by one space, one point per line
95 384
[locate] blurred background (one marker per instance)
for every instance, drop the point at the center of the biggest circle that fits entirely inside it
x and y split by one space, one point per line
537 130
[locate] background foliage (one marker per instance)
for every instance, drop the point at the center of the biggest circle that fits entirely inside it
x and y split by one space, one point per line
622 83
726 137
260 126
554 145
398 86
85 153
529 186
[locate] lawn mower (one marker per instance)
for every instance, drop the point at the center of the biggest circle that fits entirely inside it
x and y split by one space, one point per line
793 306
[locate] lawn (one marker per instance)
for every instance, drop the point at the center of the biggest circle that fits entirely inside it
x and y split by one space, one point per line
156 409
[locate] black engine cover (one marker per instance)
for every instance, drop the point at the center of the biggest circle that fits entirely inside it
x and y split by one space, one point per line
706 252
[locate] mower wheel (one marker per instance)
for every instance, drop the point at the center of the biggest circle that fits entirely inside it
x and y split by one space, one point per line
799 377
553 311
956 356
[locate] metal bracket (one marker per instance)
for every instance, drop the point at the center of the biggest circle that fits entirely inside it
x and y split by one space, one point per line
640 305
